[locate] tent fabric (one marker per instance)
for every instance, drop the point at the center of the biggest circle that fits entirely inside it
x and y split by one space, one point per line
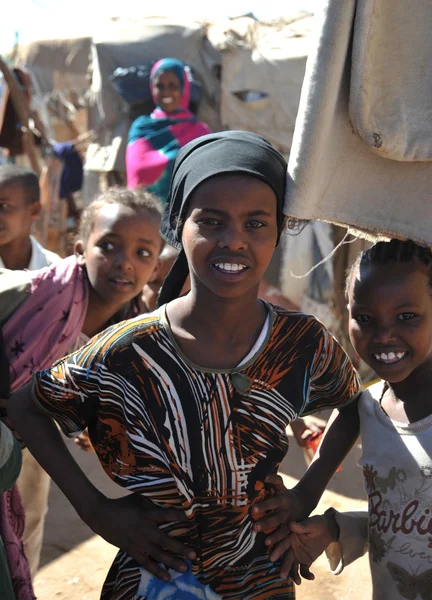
145 40
250 74
333 174
390 100
57 65
263 67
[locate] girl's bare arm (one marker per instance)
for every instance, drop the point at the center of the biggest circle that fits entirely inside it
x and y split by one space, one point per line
127 522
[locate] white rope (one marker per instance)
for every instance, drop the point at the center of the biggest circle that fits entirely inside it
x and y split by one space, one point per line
326 258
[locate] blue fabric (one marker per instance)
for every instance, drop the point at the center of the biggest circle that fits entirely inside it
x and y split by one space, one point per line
183 586
73 172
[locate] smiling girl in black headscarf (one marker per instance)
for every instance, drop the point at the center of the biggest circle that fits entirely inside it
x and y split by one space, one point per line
188 407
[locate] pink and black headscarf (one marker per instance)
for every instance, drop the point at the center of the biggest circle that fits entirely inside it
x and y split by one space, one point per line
155 140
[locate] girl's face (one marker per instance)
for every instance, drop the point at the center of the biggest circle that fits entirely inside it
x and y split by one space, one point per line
230 234
121 253
390 309
167 91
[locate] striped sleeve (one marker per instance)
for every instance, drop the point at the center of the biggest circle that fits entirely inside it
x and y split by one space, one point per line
69 390
334 382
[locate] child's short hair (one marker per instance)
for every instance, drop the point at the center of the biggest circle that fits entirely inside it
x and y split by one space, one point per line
395 251
135 199
26 178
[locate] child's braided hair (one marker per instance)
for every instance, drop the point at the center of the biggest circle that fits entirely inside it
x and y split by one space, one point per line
394 251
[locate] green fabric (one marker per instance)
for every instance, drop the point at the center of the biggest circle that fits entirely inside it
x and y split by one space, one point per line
11 469
6 588
14 289
8 476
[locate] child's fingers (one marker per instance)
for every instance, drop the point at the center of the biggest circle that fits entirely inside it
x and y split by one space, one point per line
279 549
294 573
151 566
269 524
269 505
306 573
160 556
157 537
275 537
170 544
300 527
287 563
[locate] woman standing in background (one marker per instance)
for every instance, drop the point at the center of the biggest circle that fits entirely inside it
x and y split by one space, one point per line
154 140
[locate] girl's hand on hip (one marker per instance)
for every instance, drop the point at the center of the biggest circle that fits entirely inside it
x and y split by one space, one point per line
131 525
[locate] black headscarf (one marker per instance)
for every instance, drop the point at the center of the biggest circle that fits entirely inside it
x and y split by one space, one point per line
208 156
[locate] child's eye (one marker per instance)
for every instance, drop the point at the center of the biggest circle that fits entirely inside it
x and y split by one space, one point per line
4 207
362 318
143 253
107 246
406 316
209 221
255 224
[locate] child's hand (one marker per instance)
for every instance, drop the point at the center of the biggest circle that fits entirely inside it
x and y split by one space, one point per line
83 441
280 508
134 527
303 542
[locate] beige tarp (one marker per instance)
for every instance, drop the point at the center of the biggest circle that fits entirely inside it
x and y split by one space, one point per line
251 74
262 73
334 175
57 65
137 42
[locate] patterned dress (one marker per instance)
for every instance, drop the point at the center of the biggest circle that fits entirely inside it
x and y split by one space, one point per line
198 439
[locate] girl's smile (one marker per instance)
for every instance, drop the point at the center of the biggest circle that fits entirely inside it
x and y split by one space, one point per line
391 318
121 253
230 234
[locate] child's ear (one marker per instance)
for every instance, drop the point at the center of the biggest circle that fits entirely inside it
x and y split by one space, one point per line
35 210
155 274
79 252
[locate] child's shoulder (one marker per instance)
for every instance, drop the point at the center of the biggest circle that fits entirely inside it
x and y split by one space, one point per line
371 396
293 319
140 326
120 336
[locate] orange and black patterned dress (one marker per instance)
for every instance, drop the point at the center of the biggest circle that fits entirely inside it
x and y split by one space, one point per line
198 439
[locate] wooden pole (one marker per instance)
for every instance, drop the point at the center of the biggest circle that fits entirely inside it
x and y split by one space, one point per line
20 105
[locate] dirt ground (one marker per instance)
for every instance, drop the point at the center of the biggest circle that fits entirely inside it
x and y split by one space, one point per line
75 562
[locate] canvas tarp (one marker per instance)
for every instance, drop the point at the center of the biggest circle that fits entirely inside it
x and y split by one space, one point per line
251 74
57 65
137 42
334 175
263 67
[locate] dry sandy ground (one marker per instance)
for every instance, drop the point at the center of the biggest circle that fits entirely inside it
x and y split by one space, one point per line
74 561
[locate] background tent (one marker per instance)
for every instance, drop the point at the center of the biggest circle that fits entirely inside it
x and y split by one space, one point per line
263 66
250 73
141 41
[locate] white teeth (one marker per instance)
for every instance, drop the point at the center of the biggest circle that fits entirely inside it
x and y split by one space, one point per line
391 357
230 267
167 100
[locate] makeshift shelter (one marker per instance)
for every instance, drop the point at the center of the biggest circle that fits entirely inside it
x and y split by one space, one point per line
362 147
263 66
143 41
